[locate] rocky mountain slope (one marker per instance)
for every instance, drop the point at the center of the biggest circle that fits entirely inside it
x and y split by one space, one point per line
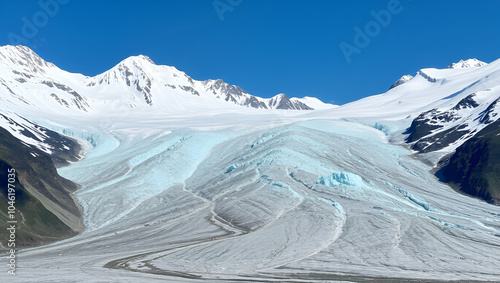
463 127
45 209
475 165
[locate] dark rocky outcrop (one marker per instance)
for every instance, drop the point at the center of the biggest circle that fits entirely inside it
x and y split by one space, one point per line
475 166
45 208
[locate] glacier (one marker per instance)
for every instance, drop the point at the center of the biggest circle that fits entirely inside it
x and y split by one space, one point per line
306 199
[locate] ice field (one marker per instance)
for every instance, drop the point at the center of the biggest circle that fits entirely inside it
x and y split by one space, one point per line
272 198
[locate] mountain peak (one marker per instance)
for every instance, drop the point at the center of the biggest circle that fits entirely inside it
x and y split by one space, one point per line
281 96
142 58
22 57
281 101
401 81
470 63
134 82
17 49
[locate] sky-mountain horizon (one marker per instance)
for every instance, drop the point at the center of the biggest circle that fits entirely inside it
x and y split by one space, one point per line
260 45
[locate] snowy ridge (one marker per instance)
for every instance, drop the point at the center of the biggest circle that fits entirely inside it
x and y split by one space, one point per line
314 103
448 128
25 131
59 146
470 63
402 80
26 60
136 82
443 108
428 89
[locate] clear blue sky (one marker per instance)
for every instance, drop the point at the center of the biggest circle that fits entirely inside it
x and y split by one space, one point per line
264 46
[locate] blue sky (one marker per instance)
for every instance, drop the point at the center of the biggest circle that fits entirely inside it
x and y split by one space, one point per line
264 46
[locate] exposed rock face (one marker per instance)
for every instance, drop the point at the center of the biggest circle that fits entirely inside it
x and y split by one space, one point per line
61 149
436 129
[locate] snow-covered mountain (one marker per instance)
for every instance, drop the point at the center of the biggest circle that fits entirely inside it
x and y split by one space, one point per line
442 108
441 128
188 185
136 82
470 63
466 100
